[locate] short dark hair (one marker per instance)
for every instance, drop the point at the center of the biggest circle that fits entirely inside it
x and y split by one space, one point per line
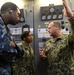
24 34
57 23
8 5
26 26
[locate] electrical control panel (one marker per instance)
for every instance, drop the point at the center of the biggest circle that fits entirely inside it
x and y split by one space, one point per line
51 13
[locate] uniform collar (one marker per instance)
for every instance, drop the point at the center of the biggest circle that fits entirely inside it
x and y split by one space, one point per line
1 21
59 38
24 44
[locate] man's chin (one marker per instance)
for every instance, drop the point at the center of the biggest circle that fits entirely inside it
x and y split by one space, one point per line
50 34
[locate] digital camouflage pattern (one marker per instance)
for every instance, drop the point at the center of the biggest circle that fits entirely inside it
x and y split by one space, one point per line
25 65
7 53
60 54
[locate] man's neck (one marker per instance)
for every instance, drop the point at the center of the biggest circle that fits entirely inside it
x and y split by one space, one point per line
27 44
56 36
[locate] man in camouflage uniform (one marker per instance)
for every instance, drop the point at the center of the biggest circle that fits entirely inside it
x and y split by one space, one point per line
59 49
25 65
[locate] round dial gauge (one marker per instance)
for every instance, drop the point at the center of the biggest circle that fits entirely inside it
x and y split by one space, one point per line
51 9
43 17
54 16
60 16
49 17
22 19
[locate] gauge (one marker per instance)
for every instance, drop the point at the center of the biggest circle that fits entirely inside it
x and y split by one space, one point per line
54 16
60 16
52 9
21 19
43 17
49 17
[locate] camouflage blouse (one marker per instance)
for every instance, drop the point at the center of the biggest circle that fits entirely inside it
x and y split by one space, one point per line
60 54
25 65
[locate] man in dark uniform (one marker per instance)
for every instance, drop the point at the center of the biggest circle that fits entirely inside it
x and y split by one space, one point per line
59 49
9 51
